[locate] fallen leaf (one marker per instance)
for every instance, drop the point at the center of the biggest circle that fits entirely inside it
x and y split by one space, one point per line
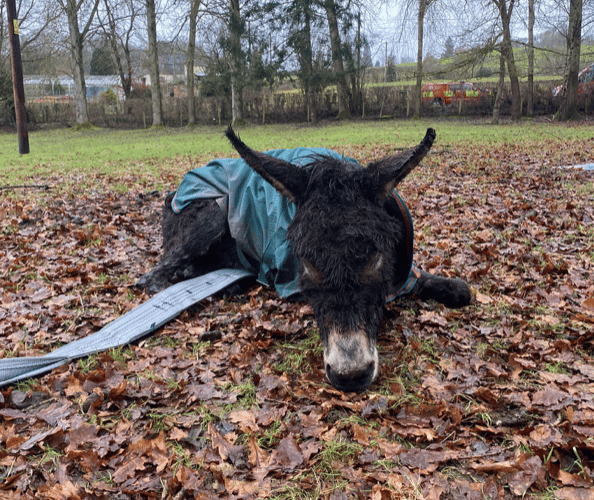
227 450
288 454
481 298
569 493
532 472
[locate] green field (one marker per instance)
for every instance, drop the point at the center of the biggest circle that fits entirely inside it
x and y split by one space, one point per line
157 152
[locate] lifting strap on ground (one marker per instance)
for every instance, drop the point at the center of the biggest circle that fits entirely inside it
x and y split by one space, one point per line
135 324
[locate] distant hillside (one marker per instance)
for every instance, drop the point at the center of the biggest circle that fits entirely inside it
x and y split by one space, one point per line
468 65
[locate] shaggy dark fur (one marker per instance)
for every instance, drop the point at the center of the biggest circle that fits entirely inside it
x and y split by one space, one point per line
346 237
195 242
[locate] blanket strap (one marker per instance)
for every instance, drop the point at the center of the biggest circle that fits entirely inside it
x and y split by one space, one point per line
404 288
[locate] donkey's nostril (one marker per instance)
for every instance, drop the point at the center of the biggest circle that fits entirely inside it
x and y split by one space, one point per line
353 381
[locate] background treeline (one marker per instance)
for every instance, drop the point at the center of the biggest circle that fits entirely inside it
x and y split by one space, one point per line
379 102
184 62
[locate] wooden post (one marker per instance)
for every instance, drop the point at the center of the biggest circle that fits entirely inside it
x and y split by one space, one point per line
17 78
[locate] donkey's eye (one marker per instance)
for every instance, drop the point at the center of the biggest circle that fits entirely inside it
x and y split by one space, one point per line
310 271
374 266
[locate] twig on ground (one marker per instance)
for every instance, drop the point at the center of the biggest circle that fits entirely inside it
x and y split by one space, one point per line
26 186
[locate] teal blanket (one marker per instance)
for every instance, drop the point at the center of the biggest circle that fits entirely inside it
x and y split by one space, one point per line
258 215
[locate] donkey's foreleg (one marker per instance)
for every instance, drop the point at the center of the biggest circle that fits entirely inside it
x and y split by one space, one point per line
194 241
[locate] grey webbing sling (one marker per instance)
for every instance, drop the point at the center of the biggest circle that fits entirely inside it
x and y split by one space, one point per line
135 324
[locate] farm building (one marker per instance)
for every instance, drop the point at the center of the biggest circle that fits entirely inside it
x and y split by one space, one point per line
37 87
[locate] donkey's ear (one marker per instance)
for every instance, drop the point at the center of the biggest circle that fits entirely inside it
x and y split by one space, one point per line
390 171
289 180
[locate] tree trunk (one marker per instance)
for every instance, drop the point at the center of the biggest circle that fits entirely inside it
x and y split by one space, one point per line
356 73
124 73
530 95
508 53
499 95
344 111
153 57
236 101
76 38
81 111
423 4
190 84
309 90
569 105
235 32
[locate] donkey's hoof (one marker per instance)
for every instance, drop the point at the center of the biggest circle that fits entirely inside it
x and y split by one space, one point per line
151 284
459 294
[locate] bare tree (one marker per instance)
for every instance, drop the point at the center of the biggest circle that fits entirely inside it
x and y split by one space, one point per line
86 9
569 105
299 16
530 96
153 59
499 94
227 46
38 43
3 35
416 14
236 28
344 111
307 65
190 83
35 17
119 23
505 9
423 7
356 55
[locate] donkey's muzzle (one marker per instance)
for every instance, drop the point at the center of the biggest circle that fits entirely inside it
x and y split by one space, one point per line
351 360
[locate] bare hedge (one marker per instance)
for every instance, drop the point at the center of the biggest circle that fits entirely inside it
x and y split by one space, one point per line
282 107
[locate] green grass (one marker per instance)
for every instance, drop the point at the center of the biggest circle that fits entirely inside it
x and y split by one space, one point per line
106 151
323 477
295 359
157 153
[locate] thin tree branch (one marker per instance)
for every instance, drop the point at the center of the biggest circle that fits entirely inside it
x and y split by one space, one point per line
26 186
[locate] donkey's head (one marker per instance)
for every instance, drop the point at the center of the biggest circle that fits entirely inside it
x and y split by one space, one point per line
346 243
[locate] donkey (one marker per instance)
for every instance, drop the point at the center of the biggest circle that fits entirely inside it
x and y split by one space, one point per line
329 229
